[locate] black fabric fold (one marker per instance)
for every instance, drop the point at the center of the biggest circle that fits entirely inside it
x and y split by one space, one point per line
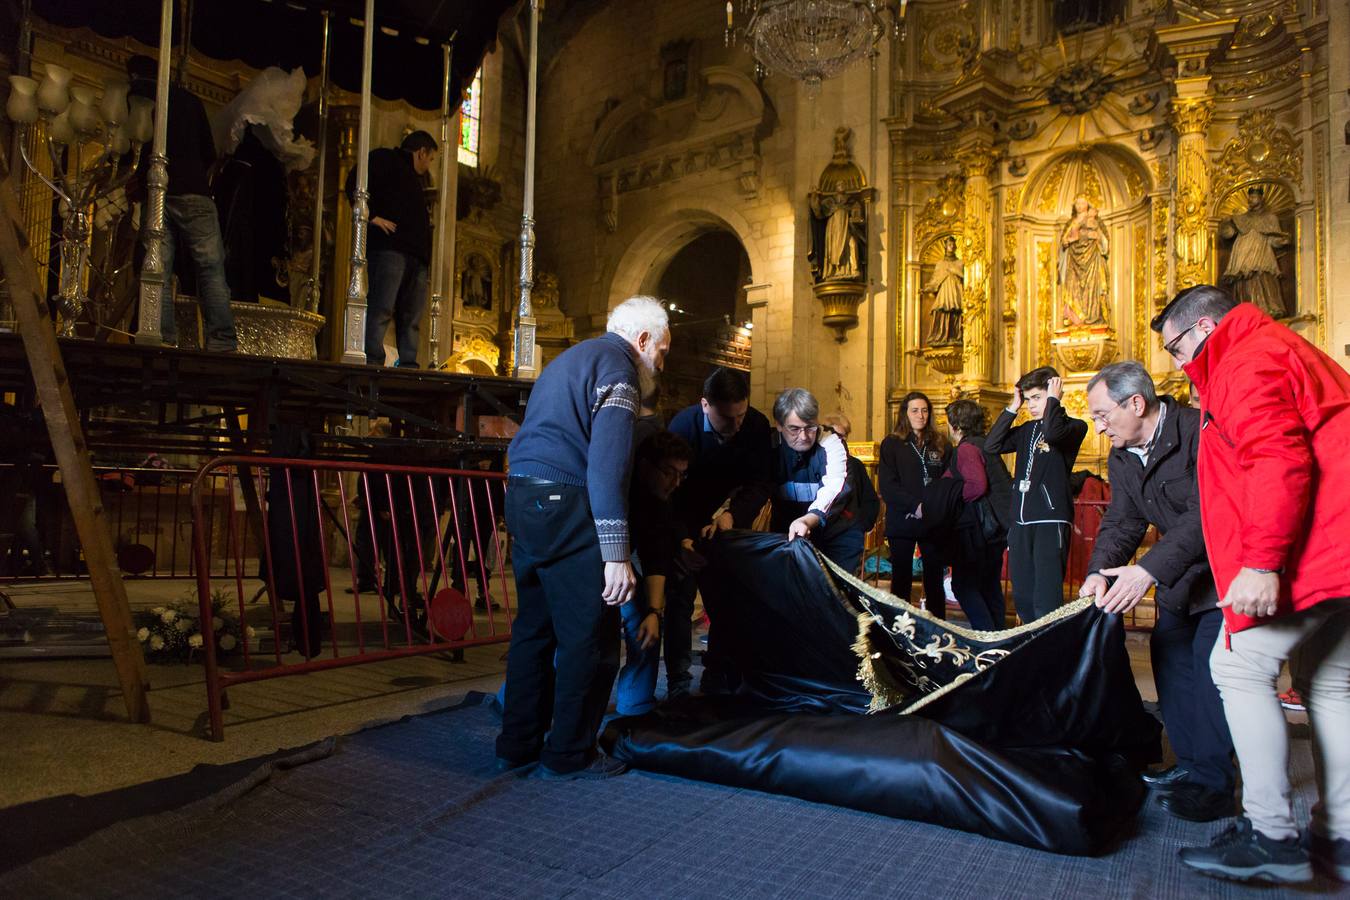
1032 735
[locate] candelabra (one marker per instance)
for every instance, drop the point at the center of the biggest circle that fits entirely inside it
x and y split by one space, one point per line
74 117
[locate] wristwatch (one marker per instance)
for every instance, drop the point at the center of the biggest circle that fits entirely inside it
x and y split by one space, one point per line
659 613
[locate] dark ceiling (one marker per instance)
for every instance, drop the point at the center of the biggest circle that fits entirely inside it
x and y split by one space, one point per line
261 33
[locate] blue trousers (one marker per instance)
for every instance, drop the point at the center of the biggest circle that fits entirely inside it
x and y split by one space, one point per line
1191 708
398 291
636 687
193 217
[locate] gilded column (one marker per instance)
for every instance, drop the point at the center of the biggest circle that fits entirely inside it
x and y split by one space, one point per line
1191 118
977 160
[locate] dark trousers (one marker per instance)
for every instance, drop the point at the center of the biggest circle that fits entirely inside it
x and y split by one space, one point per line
934 562
678 632
844 549
564 640
1191 708
1037 557
979 588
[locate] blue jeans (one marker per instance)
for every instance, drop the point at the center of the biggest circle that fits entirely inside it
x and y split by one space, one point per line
193 217
398 291
636 691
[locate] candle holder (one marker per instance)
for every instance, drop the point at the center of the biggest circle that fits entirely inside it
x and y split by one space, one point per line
73 117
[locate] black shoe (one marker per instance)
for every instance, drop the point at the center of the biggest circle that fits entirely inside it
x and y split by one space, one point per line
503 765
483 602
1330 856
1165 778
1197 803
601 767
1241 853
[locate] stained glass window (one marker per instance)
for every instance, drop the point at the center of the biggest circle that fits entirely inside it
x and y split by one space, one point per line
471 121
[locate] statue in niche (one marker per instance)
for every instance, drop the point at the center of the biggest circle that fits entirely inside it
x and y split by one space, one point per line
1079 15
838 249
948 288
476 283
1083 249
1253 273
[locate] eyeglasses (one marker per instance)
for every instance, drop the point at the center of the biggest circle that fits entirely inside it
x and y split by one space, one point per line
799 430
1100 418
671 472
1171 346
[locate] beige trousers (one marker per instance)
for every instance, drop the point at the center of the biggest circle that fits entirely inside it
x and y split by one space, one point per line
1316 644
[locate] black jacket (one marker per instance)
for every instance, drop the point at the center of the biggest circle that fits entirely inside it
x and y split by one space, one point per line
1163 494
1058 437
190 148
720 469
900 481
396 194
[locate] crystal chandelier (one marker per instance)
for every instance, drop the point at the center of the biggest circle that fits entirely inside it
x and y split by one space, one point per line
812 40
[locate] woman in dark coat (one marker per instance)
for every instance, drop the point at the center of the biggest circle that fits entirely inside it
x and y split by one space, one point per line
912 459
982 530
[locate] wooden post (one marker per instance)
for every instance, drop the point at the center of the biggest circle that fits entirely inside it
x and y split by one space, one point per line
72 455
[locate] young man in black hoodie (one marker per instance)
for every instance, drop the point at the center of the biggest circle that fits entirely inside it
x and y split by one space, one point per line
1042 506
399 245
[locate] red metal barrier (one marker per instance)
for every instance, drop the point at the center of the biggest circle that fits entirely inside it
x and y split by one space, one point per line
421 523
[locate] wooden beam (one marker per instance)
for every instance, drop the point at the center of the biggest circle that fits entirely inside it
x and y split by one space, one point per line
72 455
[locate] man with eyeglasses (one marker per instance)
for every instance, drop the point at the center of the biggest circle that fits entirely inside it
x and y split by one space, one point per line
1154 444
1275 508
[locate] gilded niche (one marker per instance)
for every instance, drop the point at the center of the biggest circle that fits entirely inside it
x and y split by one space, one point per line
1262 149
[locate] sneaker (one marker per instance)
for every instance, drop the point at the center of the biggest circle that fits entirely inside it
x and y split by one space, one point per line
601 767
1241 853
1330 856
1291 700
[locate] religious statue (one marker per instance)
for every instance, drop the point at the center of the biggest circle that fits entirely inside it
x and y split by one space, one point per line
1083 249
838 217
476 283
1253 273
948 286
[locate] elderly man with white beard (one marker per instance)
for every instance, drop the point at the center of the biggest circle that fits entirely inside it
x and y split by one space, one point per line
566 509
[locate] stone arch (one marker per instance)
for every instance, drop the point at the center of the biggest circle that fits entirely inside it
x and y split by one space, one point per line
671 227
1113 178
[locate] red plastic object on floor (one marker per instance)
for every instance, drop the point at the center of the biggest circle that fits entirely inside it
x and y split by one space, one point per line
450 615
1291 700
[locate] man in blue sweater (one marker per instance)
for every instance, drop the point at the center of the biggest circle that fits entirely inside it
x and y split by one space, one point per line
566 509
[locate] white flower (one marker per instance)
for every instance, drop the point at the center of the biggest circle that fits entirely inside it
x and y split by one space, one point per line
227 642
143 635
184 625
249 632
168 616
217 624
157 643
195 640
158 610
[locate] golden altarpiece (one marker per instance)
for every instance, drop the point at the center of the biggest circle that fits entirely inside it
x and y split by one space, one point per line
1082 174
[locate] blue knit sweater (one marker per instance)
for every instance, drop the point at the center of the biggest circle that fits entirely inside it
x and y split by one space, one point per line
578 430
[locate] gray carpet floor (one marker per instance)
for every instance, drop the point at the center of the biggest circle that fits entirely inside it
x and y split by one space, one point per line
414 809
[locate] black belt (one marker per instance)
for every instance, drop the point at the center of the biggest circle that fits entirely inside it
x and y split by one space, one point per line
530 479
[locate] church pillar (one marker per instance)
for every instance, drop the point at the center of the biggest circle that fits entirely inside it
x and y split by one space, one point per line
977 157
1191 118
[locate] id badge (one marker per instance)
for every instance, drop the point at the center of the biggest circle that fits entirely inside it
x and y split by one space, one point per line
1024 485
927 480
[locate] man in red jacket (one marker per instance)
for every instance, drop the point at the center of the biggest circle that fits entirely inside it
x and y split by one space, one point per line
1274 473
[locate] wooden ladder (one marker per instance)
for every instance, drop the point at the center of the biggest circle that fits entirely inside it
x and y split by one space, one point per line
72 454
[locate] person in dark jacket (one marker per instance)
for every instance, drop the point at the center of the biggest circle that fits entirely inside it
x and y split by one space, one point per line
399 245
567 510
1042 509
981 535
809 475
912 459
659 465
189 212
729 443
1154 445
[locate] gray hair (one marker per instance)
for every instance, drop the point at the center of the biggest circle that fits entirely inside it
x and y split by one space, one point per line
1125 379
638 315
796 400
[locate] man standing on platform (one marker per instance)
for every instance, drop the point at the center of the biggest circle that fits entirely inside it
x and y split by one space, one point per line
189 212
1154 444
566 508
1273 469
399 248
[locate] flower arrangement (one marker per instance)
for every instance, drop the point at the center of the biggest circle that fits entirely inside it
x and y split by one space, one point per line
173 633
